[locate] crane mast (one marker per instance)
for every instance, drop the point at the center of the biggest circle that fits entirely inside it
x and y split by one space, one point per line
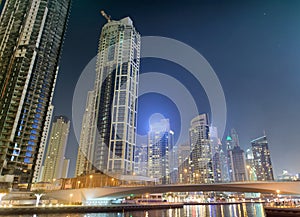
107 17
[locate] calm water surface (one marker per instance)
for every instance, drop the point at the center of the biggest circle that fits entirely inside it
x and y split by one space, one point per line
236 210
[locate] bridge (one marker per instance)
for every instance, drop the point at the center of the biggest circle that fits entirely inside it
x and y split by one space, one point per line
84 194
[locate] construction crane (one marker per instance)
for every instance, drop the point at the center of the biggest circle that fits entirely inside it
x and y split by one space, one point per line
107 17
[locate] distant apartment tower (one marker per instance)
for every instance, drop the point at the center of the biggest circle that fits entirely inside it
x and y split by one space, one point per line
201 154
141 160
238 165
31 36
224 166
228 147
183 160
54 165
84 163
216 148
250 165
116 89
160 143
236 158
262 159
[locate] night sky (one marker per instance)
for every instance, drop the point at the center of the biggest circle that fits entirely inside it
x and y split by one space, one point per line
253 46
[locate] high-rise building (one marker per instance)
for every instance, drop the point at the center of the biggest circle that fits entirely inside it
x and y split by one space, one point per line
236 158
228 147
37 175
183 162
238 165
262 159
216 148
85 151
160 145
224 166
141 160
31 36
55 156
116 90
250 165
201 155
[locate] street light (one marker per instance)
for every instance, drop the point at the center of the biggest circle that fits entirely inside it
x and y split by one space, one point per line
71 195
78 182
278 192
1 196
91 180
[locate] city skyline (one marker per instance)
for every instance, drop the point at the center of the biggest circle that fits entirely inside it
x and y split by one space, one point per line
149 109
239 115
258 45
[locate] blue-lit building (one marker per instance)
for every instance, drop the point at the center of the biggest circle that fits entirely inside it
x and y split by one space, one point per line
160 153
31 37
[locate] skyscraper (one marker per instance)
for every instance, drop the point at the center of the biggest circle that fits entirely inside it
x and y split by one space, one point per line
201 155
236 158
31 35
262 159
250 165
55 156
184 153
216 148
85 150
141 160
116 90
224 166
160 146
238 165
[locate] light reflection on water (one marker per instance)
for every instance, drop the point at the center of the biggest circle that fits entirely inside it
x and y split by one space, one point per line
234 210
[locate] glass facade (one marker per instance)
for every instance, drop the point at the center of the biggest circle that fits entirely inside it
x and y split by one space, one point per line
161 162
201 153
31 35
262 159
116 89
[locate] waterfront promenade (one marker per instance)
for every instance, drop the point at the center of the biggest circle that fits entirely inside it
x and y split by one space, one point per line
18 210
282 212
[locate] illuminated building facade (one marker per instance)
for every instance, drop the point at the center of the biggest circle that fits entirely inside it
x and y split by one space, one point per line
262 159
116 91
201 154
55 163
216 148
160 146
31 36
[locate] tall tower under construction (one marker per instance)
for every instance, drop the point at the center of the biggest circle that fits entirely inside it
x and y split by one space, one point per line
31 36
